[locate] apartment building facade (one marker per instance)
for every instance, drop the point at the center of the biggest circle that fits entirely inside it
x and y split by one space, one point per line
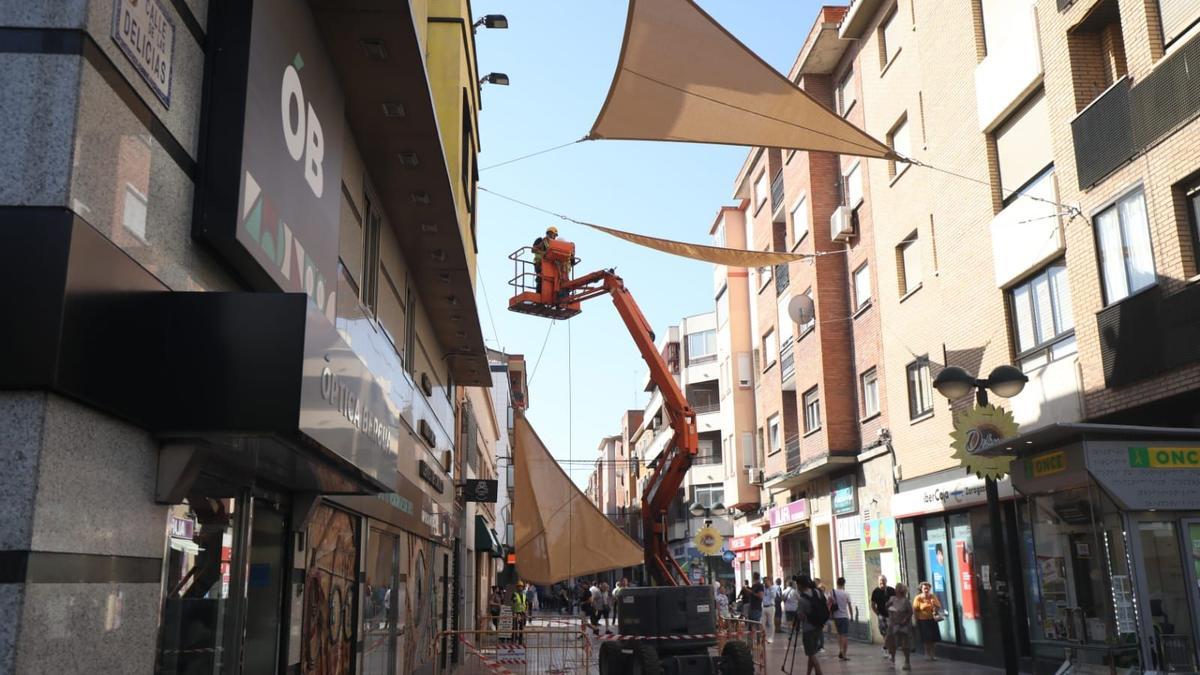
510 400
1056 232
234 418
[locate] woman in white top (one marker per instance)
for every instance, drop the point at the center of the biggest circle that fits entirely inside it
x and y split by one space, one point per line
722 600
791 599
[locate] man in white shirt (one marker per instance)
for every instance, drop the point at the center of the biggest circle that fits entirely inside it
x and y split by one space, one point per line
791 599
768 612
839 602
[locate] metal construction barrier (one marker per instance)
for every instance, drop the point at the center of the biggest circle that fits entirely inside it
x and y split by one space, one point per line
554 650
751 632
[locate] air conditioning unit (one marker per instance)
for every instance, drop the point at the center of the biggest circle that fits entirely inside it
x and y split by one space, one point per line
841 224
756 475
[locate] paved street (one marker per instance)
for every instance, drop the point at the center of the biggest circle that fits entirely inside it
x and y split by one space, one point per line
864 659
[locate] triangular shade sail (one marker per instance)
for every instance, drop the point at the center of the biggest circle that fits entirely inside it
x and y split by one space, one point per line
682 77
733 257
559 532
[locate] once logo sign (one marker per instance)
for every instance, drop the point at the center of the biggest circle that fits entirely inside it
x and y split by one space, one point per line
302 127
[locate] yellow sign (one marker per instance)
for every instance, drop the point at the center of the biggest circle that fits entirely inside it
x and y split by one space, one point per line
980 428
1164 458
1047 464
708 541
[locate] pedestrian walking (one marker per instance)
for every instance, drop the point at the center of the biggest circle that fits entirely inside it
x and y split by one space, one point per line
621 586
779 605
755 611
879 602
587 608
531 598
604 606
494 602
813 612
928 610
743 600
770 595
791 599
820 586
899 625
841 611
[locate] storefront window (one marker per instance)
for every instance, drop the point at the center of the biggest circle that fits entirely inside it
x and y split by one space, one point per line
196 605
1167 593
379 605
937 572
1082 591
966 588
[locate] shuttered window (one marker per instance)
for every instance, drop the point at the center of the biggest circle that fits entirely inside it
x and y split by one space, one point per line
1023 145
1177 17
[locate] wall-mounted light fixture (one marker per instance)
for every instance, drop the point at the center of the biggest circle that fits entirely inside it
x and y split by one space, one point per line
494 78
491 21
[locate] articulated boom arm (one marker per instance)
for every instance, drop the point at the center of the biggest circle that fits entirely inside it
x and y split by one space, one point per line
677 458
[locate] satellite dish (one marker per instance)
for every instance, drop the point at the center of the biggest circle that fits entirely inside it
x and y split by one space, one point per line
801 310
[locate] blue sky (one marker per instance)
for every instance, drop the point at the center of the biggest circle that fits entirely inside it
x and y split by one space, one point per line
560 57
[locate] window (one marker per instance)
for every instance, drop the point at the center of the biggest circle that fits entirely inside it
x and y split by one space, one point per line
774 436
889 38
708 451
770 349
908 262
702 346
1192 195
1177 17
1042 321
920 388
370 256
812 319
133 216
898 140
1123 236
745 372
762 190
765 274
722 306
1023 148
799 214
870 393
845 93
862 287
708 495
812 410
852 186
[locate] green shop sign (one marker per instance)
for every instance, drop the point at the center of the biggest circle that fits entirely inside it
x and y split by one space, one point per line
1164 458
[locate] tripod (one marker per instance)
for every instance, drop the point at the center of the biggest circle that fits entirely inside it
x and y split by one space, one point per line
789 652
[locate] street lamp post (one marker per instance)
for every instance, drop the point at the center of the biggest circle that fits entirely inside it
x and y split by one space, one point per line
707 512
1004 381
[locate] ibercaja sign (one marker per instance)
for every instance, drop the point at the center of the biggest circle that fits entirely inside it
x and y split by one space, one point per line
271 202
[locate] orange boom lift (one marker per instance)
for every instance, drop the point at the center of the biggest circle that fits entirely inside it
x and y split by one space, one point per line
547 289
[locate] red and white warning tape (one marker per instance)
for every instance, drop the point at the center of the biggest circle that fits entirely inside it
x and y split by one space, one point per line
492 665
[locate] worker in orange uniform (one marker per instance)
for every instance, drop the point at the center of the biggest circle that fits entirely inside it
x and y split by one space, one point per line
539 250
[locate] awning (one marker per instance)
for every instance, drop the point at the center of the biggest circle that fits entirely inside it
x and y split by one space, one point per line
559 532
682 77
486 538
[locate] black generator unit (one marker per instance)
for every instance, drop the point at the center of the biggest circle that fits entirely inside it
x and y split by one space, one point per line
669 630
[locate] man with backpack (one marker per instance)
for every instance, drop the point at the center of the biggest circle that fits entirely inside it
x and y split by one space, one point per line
813 611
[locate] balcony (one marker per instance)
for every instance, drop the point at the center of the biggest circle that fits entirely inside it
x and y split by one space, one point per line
1051 396
1147 334
792 453
1103 134
781 278
787 361
1129 118
777 192
1027 232
1012 67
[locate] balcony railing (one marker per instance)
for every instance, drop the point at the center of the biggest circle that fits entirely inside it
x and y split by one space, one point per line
787 361
781 278
777 192
1127 119
792 450
1149 334
1103 134
705 408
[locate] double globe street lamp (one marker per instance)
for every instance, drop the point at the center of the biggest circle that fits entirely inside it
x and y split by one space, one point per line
1004 381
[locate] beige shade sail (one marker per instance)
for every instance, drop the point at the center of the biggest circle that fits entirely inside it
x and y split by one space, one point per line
682 77
733 257
559 532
